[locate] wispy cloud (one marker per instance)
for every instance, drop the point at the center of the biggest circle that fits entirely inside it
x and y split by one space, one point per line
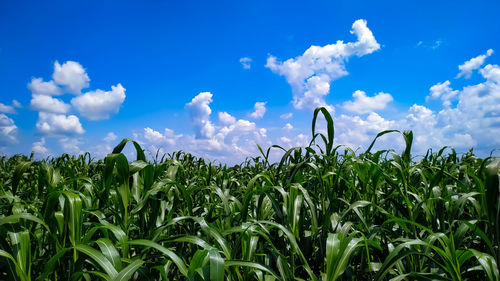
246 62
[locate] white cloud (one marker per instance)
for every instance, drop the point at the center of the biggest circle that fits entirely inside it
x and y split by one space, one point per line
157 138
71 145
105 146
110 137
39 148
363 104
473 64
8 130
477 112
288 127
226 119
245 62
232 133
311 74
16 104
5 121
263 132
491 73
200 111
48 104
98 105
259 110
473 121
422 121
38 87
437 44
152 135
230 142
6 108
285 140
50 124
71 75
354 131
301 140
286 115
443 91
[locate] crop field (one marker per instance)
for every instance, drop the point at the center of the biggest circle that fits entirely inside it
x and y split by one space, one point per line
320 213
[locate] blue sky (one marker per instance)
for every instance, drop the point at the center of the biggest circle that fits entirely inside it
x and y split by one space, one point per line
214 79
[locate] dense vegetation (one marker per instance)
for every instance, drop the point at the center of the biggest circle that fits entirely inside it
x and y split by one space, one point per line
321 213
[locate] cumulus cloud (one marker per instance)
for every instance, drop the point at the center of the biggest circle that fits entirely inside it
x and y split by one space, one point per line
310 75
8 130
200 111
229 141
48 104
71 75
288 127
422 121
491 73
259 110
99 105
50 124
6 108
157 138
16 104
226 119
356 131
443 91
38 87
363 104
39 148
229 144
104 147
110 137
473 64
232 133
285 140
299 140
477 111
245 62
472 121
71 145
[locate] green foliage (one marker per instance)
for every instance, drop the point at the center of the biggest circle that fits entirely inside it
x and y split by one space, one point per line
318 214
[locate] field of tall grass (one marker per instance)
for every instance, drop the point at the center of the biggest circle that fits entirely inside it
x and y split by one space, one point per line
321 213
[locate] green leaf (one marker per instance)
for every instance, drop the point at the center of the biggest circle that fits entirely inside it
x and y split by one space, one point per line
216 265
329 125
127 272
489 265
339 250
15 218
253 265
99 258
174 257
110 252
